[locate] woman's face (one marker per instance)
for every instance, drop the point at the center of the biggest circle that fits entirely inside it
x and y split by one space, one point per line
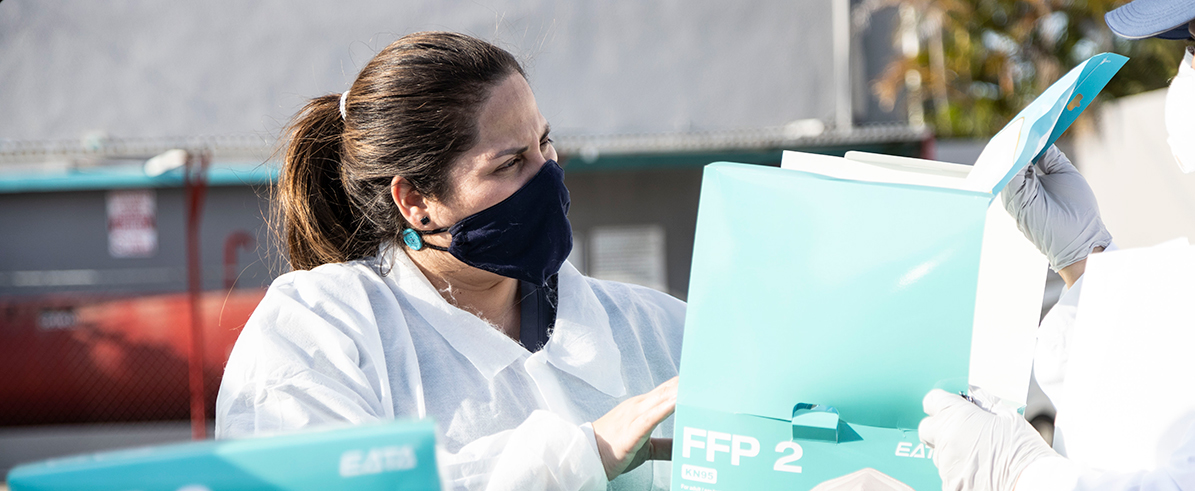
512 146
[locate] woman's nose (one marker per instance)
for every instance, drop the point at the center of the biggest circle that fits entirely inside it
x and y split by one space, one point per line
543 158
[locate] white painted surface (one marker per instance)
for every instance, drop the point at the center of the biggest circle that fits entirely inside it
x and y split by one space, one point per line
1144 198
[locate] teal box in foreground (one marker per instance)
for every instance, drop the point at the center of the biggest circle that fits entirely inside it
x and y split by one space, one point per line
820 311
387 456
827 297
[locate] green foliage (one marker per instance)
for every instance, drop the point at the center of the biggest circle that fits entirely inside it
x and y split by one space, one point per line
997 55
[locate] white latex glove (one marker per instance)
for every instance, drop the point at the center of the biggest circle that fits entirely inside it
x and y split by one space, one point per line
1055 208
977 448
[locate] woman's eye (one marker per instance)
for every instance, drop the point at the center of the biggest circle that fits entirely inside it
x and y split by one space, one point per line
509 164
546 142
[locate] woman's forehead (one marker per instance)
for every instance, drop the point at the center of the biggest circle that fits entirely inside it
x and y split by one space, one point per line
509 119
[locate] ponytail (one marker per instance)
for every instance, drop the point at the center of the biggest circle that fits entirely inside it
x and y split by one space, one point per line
411 112
312 207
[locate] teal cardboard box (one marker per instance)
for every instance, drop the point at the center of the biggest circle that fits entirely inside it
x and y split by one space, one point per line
825 302
388 456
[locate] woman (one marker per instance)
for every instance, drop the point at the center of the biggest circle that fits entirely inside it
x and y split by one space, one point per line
425 217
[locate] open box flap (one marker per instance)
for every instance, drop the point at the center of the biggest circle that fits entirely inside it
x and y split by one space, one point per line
1019 143
1024 139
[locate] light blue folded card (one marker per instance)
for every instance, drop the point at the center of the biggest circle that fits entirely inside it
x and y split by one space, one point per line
397 456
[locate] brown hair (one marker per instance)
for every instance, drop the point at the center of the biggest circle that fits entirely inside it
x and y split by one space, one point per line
411 112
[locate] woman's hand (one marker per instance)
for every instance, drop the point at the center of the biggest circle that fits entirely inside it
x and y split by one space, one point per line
624 434
1055 208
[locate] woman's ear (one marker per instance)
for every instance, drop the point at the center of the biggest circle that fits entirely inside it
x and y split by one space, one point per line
410 202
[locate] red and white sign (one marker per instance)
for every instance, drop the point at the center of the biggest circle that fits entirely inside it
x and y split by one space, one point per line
132 227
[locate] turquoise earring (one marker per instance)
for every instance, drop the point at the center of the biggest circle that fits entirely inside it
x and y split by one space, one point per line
412 239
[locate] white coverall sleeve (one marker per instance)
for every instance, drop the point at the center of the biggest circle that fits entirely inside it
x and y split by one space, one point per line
1053 337
1058 473
543 453
1053 341
306 358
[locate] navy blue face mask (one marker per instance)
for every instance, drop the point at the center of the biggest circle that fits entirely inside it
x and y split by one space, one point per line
525 236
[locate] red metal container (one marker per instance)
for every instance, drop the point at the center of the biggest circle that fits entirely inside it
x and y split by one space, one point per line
91 358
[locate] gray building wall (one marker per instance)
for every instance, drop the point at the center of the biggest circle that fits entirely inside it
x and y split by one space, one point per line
663 197
56 242
143 68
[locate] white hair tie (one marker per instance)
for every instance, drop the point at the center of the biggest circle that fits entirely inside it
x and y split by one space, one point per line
343 97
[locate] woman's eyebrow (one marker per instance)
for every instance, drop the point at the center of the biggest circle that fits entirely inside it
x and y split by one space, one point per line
509 151
516 151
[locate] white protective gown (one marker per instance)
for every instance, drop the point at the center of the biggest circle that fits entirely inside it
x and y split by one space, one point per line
342 343
1049 366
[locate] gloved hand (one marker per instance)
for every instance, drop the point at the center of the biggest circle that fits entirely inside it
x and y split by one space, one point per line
1055 208
976 448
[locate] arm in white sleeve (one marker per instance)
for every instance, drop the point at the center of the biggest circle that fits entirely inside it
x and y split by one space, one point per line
1060 474
543 453
304 360
1053 338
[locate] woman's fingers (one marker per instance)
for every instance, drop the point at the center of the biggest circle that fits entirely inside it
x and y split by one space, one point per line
663 394
624 433
648 410
658 405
